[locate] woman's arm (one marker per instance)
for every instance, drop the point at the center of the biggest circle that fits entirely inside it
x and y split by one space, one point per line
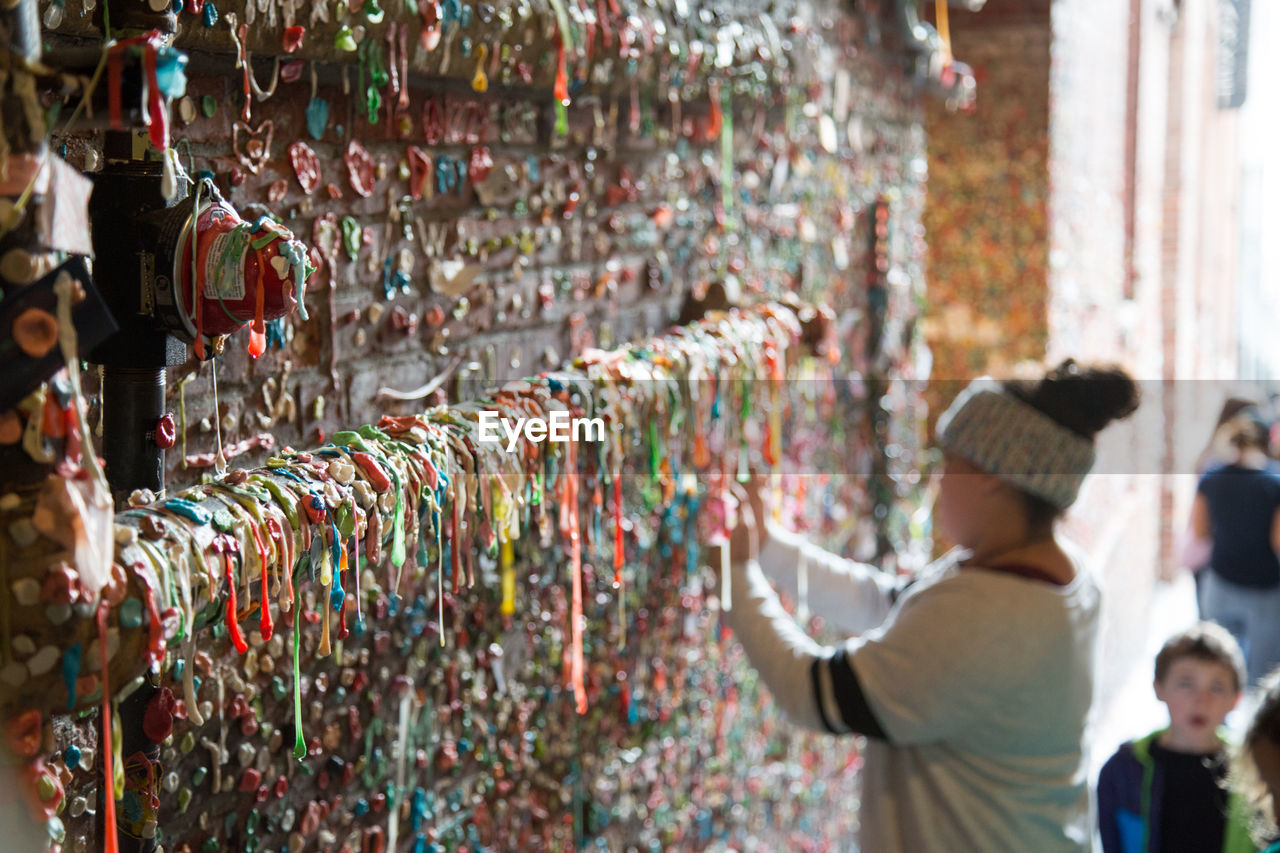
852 597
813 684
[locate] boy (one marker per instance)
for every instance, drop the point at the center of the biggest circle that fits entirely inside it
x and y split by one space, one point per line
1164 792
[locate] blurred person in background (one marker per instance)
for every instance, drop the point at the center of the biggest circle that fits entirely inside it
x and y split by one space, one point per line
1235 535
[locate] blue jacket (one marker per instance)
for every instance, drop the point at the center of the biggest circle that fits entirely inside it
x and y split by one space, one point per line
1130 790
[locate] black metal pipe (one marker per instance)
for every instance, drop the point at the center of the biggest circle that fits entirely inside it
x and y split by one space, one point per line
132 404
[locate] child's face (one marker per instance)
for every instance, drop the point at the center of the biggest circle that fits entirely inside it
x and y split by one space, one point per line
1266 755
1199 695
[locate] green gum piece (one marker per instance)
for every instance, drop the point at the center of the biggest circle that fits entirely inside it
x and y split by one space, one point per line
372 432
345 39
223 521
131 613
562 119
346 521
397 541
349 439
299 745
352 234
655 457
284 499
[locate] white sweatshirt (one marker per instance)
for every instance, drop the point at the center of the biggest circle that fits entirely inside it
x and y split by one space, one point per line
981 679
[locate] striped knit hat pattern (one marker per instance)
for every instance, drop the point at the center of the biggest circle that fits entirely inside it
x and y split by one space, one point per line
1016 442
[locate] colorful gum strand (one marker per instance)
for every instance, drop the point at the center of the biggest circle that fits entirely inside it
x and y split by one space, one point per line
619 554
372 537
155 643
619 559
560 95
393 813
265 626
258 329
299 744
355 555
233 623
726 572
397 538
655 455
343 630
575 570
597 514
326 587
774 454
285 500
117 754
562 80
245 112
110 843
507 553
338 594
325 648
454 525
188 683
726 152
157 115
469 563
276 531
716 122
329 555
603 18
439 575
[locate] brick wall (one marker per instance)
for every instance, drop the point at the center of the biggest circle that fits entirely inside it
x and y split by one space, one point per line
986 217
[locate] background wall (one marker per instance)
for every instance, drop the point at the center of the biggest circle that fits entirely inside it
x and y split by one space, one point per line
987 214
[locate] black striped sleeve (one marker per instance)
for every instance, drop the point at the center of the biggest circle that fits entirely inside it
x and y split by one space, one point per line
838 695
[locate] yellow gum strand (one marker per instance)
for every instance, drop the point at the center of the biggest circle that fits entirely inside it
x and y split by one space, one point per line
326 568
508 575
325 648
117 747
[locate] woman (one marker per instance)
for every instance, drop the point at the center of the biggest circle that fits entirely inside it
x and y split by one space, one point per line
1236 514
1195 552
973 682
